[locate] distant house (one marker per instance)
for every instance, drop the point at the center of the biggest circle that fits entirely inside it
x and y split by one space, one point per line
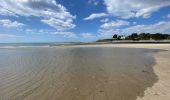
122 37
119 37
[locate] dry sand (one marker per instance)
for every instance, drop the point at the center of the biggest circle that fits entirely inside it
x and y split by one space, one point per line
85 73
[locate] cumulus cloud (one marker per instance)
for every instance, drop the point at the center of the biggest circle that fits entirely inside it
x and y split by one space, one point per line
104 20
87 35
134 8
46 10
6 12
160 27
38 31
107 33
93 2
53 32
8 36
168 16
59 24
10 24
95 15
114 24
65 34
109 28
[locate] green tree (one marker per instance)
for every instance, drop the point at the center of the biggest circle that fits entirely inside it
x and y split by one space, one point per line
115 36
168 37
144 36
133 36
158 36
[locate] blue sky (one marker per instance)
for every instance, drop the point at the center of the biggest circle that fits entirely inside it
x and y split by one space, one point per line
80 20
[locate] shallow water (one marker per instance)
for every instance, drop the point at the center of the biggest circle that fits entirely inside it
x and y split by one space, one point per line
75 73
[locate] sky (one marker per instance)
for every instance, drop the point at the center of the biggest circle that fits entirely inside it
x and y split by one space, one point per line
80 20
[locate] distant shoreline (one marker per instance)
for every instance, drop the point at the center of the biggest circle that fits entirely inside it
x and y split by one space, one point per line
134 41
142 41
53 44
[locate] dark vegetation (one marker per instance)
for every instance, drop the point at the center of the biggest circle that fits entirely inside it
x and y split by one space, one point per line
138 37
148 36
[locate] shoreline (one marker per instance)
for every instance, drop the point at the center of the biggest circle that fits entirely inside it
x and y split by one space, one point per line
53 44
117 44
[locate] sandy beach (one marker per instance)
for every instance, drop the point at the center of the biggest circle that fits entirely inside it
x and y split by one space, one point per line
86 72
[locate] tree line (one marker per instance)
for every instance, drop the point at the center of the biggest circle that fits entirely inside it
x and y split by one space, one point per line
144 36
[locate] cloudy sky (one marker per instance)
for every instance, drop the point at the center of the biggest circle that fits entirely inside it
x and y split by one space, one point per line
80 20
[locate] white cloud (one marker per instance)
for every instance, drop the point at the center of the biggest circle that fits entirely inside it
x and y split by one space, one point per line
10 24
59 24
87 35
96 15
104 20
6 12
114 24
168 16
108 29
38 31
65 34
8 36
45 31
93 2
46 10
29 30
107 33
134 8
162 27
134 23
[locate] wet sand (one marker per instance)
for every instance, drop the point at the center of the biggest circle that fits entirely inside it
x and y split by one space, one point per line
94 72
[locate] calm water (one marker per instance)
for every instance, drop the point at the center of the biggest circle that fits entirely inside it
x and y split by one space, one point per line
38 44
77 73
